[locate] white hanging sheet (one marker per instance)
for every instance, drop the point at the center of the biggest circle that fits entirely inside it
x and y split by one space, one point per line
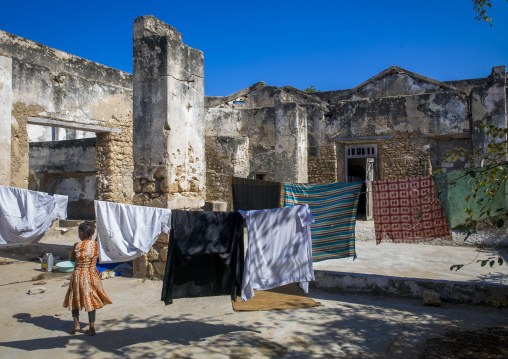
279 250
125 232
25 216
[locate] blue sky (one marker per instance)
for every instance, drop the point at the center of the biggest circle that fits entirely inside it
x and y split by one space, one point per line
329 44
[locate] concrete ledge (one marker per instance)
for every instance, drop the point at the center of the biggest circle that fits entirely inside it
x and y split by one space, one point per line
60 250
70 125
462 292
69 223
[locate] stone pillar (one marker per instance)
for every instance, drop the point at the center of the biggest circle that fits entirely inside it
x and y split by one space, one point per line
488 106
113 162
5 119
168 133
290 141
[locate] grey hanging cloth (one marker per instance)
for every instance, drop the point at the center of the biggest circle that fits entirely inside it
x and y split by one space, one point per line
251 195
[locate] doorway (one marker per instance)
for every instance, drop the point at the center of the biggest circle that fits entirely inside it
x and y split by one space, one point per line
361 167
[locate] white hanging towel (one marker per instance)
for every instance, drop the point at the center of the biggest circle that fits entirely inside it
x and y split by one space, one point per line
279 251
125 232
25 216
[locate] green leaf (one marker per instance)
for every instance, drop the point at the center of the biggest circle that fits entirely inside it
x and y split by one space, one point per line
500 223
492 263
484 263
500 261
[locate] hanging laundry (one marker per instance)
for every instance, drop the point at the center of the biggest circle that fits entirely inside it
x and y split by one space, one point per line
279 250
334 209
205 255
250 195
125 232
454 187
25 216
406 210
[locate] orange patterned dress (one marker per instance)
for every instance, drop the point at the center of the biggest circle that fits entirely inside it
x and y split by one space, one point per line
85 289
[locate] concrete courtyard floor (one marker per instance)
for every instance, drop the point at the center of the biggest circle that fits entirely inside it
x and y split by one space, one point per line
139 325
357 326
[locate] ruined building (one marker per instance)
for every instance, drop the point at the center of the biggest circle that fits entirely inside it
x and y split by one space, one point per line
75 127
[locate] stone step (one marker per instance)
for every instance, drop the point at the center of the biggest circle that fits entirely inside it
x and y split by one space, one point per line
474 292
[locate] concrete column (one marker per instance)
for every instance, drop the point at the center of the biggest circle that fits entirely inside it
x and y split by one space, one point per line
168 124
290 141
5 119
488 106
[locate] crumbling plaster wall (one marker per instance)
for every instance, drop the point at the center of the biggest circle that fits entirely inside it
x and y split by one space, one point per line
225 157
5 119
265 127
416 127
45 81
169 140
428 115
488 106
169 148
239 142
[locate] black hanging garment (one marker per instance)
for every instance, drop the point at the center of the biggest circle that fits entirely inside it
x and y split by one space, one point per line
205 255
252 195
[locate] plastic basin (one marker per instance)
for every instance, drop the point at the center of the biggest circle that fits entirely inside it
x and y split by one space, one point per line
65 267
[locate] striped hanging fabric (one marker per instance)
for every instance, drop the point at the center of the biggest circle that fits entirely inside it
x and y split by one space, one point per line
334 209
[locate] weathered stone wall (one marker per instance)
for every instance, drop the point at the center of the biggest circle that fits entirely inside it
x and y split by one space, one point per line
396 157
114 162
169 143
323 168
272 122
239 142
399 158
428 114
19 142
169 140
225 157
442 149
290 142
151 265
48 83
488 106
5 119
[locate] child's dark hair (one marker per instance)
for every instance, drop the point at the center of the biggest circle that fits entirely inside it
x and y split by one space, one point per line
88 228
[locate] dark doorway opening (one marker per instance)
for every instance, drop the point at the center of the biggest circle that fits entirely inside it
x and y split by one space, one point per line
357 172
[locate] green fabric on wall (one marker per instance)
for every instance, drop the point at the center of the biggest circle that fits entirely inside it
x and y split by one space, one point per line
453 197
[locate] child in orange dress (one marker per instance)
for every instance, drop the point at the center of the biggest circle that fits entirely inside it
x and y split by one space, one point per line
85 289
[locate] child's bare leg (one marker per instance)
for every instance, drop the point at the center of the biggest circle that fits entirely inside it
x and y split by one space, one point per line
75 316
91 319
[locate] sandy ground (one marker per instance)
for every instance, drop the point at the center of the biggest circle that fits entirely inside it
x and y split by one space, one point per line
139 325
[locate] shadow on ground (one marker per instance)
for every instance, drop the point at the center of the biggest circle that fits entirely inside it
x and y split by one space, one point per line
134 330
345 326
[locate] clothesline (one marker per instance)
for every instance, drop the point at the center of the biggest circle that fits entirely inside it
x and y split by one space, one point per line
205 250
